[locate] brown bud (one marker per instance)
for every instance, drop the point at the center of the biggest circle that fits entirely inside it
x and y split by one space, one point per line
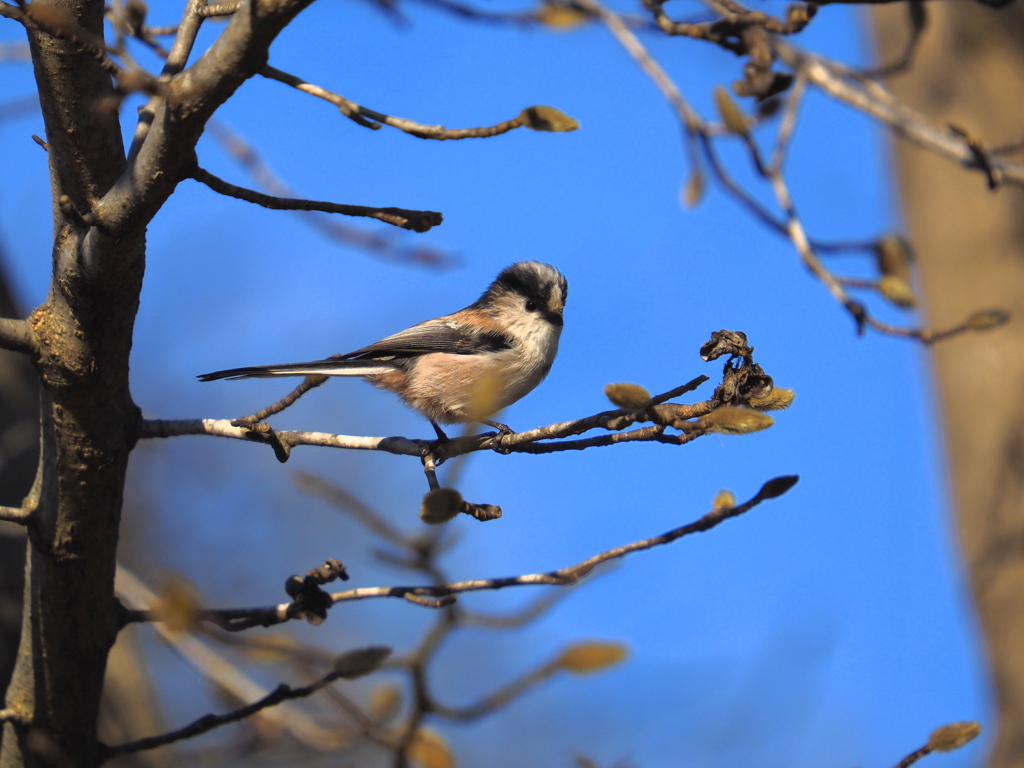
732 116
179 604
693 193
894 256
591 656
723 501
986 319
630 397
730 420
361 661
777 486
560 17
542 118
429 750
385 702
953 736
898 291
440 505
779 399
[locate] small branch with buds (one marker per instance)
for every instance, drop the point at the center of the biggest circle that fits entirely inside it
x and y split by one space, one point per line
724 509
536 118
417 221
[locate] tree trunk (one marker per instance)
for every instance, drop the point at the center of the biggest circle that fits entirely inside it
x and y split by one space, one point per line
969 72
83 334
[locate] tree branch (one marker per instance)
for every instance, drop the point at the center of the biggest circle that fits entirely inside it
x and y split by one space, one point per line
238 619
19 515
17 335
209 722
417 221
873 99
163 150
369 118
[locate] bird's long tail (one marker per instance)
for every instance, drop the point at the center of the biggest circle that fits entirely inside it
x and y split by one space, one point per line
316 368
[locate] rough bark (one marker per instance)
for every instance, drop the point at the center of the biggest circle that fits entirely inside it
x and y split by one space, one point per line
83 333
970 240
82 336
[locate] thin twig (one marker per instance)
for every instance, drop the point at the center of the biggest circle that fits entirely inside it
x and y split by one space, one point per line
225 675
873 99
788 127
499 698
351 505
417 221
692 123
209 722
369 118
214 10
237 619
382 245
914 756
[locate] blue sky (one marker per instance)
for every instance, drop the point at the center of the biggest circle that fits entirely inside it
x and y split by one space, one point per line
827 628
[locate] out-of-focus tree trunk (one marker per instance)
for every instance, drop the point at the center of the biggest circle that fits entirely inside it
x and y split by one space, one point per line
969 72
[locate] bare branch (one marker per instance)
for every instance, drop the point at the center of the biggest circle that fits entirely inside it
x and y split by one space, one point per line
351 505
499 698
19 515
13 716
369 118
381 245
212 10
225 675
691 121
17 335
209 722
676 415
873 99
163 149
417 221
238 619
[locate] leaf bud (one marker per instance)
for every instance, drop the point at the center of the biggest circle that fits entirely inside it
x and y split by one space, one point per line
540 118
987 319
953 736
361 662
440 505
629 397
591 656
779 399
729 420
777 486
429 750
898 291
725 500
733 117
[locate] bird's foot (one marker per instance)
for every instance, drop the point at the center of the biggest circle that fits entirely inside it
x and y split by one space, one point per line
505 429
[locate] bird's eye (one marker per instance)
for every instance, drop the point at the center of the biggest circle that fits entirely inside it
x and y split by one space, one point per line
531 305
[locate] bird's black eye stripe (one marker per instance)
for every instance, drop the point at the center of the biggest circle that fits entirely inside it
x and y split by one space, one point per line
531 305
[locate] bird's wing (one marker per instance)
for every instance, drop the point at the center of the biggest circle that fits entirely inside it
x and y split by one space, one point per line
432 336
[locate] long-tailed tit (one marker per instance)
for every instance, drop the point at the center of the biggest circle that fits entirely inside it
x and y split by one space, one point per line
462 367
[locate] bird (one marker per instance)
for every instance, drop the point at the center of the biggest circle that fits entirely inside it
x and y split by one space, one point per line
463 367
